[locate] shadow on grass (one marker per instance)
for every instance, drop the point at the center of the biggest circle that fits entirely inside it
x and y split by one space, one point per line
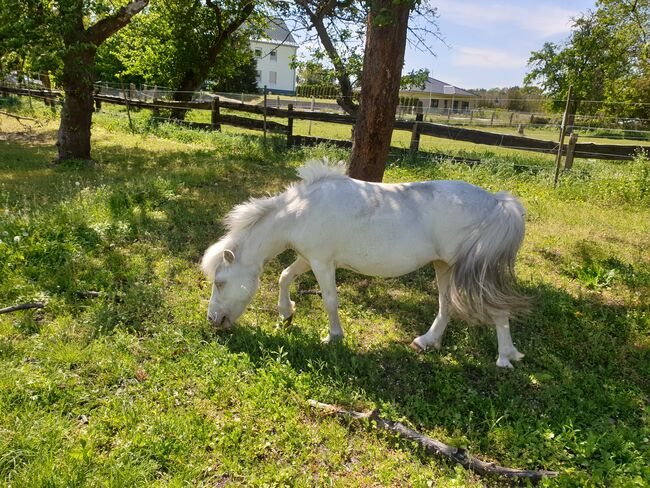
583 370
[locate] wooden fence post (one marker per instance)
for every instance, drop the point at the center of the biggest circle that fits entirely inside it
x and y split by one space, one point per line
29 90
492 118
290 125
98 102
265 101
313 103
415 133
510 121
214 115
565 118
471 116
570 151
278 102
128 109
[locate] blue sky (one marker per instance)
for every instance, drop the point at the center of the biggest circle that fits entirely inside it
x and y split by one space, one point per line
489 42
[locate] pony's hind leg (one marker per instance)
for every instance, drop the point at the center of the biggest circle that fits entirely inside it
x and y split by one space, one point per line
433 337
286 306
326 276
507 351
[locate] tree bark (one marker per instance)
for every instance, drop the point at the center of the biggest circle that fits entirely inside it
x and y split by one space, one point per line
76 116
77 80
382 68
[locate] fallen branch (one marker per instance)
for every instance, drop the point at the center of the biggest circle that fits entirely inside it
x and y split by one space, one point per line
80 294
458 455
22 306
20 117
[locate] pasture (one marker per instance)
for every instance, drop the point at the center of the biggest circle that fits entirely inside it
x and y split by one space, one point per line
134 388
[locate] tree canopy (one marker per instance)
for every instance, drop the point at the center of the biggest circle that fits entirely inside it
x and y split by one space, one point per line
606 58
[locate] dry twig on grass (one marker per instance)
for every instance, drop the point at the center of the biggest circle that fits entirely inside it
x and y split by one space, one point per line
434 446
80 294
20 118
22 306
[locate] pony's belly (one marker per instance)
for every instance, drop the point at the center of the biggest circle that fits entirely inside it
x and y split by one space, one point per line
383 266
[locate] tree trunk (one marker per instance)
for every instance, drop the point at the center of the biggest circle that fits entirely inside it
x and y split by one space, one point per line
76 116
47 85
382 69
190 83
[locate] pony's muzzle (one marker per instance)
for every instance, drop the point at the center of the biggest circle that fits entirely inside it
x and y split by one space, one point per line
220 323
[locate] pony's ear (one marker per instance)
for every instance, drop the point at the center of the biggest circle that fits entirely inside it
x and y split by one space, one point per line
228 256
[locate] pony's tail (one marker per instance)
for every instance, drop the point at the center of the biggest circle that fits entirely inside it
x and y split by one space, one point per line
482 280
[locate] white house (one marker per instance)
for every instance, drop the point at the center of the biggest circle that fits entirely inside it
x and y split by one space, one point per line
274 54
437 95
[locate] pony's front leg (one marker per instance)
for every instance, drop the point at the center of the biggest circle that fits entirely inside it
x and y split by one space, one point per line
507 350
326 276
286 306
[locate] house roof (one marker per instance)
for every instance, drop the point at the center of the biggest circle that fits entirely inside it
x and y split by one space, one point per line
277 32
434 86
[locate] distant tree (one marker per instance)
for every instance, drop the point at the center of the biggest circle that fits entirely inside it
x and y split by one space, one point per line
605 58
241 79
314 72
415 79
182 43
68 32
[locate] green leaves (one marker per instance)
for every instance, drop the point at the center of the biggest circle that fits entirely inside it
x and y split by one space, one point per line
605 58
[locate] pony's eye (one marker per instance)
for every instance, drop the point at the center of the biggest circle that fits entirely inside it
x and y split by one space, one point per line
218 284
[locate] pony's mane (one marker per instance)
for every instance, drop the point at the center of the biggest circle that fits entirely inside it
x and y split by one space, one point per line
247 214
316 170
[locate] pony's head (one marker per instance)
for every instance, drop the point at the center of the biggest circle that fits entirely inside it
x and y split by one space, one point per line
233 285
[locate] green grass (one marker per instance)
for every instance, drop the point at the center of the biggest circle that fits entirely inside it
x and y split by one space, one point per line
136 389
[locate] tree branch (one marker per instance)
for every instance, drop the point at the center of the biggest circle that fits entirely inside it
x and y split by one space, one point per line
434 446
108 26
345 100
22 306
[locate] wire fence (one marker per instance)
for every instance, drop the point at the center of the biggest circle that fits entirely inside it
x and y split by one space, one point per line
196 114
479 112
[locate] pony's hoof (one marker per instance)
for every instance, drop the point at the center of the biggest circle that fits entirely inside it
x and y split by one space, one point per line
516 355
286 321
331 338
504 363
416 347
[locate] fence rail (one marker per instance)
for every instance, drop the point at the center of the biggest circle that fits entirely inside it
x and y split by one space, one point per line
417 127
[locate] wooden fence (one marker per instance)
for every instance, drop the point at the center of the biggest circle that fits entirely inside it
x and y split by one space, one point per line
417 127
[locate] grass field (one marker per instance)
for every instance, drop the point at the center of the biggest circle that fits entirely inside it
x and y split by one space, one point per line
134 388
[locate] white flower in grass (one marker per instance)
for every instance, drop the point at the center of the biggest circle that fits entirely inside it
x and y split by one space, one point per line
5 233
76 183
25 234
16 238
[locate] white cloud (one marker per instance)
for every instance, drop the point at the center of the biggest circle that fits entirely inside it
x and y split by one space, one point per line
539 19
487 58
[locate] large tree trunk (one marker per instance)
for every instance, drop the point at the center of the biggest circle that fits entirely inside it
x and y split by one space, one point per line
382 68
190 83
77 80
76 116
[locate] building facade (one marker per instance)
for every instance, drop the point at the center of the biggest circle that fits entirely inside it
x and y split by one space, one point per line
274 54
438 96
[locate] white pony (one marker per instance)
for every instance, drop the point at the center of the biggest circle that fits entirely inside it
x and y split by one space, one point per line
333 221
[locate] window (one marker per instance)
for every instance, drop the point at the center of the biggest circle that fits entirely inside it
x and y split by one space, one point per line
273 55
273 77
258 76
434 103
258 53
